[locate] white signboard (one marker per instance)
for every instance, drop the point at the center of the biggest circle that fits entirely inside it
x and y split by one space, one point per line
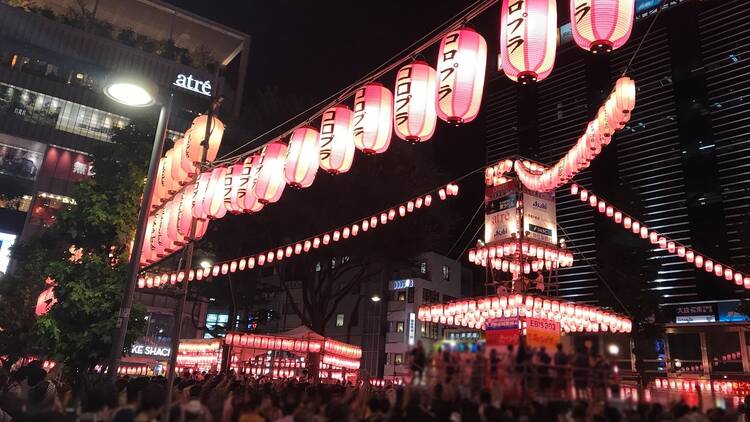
500 214
540 216
146 350
191 84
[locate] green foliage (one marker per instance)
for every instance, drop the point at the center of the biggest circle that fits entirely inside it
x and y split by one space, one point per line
78 329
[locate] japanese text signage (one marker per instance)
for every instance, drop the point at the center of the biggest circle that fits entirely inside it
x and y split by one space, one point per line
540 216
501 331
542 333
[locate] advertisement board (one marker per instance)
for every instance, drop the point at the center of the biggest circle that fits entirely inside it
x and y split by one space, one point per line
540 216
542 333
501 331
500 214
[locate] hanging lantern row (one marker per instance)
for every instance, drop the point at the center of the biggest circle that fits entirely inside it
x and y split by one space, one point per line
338 362
494 175
534 257
661 241
611 117
289 344
303 246
693 385
473 313
182 162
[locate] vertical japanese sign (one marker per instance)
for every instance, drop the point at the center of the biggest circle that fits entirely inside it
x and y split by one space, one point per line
412 328
501 331
540 216
500 215
542 333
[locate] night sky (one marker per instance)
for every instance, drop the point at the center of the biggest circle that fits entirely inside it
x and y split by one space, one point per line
305 51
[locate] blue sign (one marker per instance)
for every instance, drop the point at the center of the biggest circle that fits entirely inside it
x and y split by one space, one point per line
646 5
728 313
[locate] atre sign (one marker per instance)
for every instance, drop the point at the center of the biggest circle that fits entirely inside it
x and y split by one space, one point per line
195 85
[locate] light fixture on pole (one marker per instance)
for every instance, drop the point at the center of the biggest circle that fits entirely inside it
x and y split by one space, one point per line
375 298
135 92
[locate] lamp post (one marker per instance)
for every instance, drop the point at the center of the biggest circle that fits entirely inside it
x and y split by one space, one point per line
134 92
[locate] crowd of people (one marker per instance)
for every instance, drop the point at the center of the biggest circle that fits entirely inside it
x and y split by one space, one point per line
435 393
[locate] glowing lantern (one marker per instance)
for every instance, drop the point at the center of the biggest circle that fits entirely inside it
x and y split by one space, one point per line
270 183
213 201
198 133
372 124
624 95
246 197
199 194
178 173
462 61
336 141
232 182
528 39
303 157
414 114
601 25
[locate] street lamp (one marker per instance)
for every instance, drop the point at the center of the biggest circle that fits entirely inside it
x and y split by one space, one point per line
136 92
375 298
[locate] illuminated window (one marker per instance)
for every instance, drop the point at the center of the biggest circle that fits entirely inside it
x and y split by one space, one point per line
398 359
339 320
215 320
446 272
400 327
423 267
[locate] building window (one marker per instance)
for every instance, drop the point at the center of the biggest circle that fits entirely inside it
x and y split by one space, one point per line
446 272
213 321
410 295
423 267
401 296
339 320
430 296
398 358
430 330
400 327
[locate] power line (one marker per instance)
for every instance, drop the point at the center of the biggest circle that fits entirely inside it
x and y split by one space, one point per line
468 224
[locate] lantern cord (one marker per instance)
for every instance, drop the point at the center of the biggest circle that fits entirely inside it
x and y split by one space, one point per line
596 271
643 39
476 233
468 224
415 48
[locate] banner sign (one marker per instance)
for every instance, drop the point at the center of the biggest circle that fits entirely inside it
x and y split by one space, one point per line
540 216
500 214
542 333
501 331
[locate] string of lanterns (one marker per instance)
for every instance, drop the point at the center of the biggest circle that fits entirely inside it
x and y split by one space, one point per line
303 246
452 93
473 313
663 242
533 256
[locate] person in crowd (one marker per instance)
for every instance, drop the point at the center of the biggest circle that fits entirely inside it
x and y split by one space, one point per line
561 362
418 360
150 403
43 405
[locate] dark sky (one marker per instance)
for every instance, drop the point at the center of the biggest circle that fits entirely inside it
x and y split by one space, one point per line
312 49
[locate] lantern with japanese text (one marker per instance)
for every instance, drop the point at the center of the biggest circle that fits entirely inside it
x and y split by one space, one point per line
232 182
462 60
373 123
601 25
336 141
213 201
198 133
270 182
414 114
246 196
528 39
302 160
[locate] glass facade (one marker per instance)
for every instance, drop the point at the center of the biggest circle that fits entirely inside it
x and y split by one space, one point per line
67 116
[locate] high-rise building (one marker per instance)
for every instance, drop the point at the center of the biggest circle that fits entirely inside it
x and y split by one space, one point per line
55 57
680 165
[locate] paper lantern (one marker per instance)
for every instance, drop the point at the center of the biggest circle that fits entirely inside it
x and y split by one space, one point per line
624 95
270 183
303 157
213 201
372 124
462 61
198 133
199 194
246 196
178 173
414 113
601 26
336 141
528 39
184 213
232 182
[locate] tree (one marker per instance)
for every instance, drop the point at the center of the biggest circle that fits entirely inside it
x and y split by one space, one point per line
86 253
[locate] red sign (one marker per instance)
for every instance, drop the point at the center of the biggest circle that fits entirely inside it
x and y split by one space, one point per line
501 331
542 333
66 165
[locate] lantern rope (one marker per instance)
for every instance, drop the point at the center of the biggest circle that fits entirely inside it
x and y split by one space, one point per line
660 240
406 54
596 271
468 224
296 248
643 39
